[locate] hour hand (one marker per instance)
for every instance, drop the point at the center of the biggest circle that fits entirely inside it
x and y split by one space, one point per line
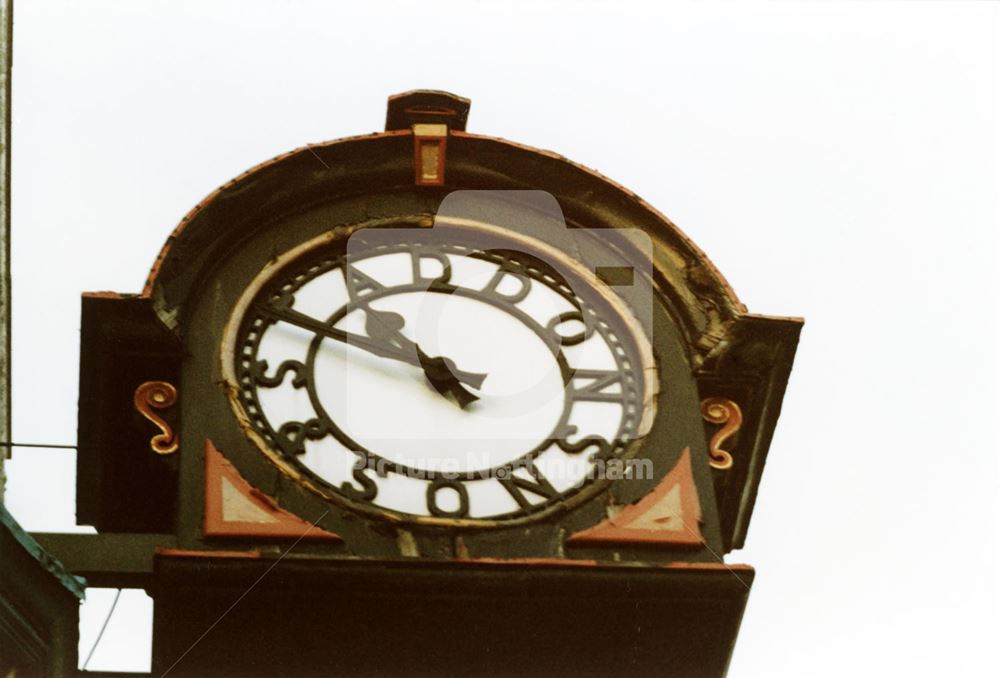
444 377
440 372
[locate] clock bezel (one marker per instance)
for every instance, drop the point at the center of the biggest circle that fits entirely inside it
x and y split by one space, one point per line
641 345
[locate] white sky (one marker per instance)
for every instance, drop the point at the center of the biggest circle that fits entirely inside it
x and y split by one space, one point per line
836 160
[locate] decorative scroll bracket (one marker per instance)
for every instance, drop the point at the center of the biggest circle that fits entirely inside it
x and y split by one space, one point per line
726 412
159 395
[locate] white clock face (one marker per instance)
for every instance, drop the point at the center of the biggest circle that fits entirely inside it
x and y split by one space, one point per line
438 380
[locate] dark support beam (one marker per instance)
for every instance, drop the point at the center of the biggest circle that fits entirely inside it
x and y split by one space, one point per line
107 560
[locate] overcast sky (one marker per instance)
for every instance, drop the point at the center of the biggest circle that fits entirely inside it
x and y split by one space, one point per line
836 160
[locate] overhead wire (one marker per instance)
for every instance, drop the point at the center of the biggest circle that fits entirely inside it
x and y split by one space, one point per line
100 634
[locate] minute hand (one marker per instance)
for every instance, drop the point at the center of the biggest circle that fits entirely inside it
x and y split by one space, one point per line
410 355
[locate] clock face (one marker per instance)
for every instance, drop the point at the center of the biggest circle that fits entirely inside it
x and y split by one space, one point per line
439 375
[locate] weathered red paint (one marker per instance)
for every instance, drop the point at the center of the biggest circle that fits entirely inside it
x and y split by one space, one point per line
191 553
106 294
286 526
147 290
723 284
620 529
708 566
553 562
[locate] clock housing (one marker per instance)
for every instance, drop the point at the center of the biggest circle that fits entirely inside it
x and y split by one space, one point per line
702 344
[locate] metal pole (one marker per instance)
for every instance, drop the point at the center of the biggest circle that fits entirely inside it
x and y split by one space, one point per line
6 59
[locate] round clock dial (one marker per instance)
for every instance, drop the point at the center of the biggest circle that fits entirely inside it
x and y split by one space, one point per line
461 377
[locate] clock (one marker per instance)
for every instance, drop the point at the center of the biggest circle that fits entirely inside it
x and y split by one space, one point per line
430 343
457 373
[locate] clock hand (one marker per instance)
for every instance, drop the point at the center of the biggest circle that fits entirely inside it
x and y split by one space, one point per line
443 376
386 326
441 372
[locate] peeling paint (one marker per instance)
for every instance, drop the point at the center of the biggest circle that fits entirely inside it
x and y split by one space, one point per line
407 544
